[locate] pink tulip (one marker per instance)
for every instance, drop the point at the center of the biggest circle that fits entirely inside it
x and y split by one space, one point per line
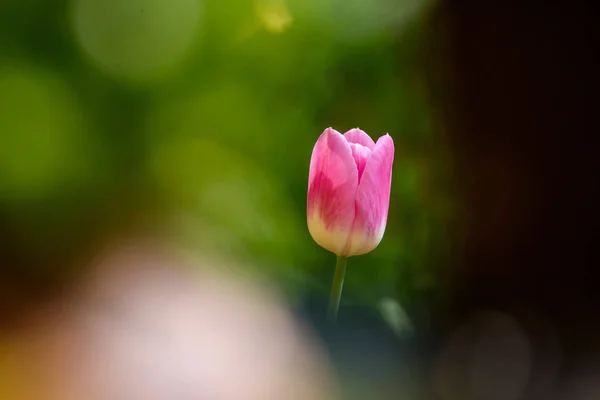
349 191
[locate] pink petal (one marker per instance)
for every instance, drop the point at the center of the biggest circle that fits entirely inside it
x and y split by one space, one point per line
361 155
360 137
373 198
332 185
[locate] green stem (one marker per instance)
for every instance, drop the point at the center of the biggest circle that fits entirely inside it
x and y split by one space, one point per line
336 287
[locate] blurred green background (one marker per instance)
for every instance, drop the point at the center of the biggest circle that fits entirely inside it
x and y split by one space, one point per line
199 117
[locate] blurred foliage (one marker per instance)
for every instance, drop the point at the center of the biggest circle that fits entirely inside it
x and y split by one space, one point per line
205 113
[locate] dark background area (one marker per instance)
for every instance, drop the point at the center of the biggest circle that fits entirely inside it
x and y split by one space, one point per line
524 125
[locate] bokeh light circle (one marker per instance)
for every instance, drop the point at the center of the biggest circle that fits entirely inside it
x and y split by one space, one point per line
136 40
44 143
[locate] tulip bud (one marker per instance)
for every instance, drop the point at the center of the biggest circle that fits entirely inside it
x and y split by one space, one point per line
349 191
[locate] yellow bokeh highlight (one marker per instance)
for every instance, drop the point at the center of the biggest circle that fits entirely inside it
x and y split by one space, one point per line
274 15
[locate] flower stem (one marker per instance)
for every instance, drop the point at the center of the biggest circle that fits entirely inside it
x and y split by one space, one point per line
336 287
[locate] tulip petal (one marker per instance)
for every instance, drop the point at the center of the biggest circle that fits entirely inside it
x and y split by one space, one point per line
361 155
360 137
332 185
373 198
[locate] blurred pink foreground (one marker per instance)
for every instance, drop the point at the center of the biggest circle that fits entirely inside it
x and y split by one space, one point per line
144 325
